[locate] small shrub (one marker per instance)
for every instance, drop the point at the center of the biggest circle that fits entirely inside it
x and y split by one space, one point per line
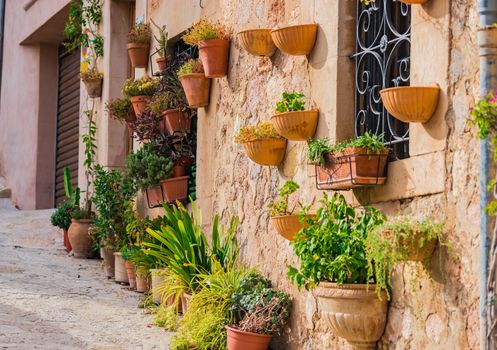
262 131
61 217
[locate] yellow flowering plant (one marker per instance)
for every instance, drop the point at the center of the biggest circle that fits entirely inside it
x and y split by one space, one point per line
261 131
139 87
191 66
205 30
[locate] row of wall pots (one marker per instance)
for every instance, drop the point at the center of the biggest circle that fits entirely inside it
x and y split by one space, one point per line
197 89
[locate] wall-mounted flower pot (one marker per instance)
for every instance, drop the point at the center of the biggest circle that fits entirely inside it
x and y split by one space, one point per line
140 103
197 88
266 152
161 63
93 87
121 275
176 120
214 56
239 340
67 244
108 256
257 42
143 280
175 188
130 271
138 54
411 104
295 40
154 196
353 167
288 225
353 312
417 253
296 126
79 238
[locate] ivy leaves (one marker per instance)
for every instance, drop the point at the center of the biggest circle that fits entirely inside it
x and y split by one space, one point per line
290 102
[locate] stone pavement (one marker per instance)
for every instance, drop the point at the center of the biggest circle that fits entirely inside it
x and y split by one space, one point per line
51 301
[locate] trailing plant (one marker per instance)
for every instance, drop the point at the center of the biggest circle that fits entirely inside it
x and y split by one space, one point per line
190 67
61 217
262 131
143 86
290 102
205 30
170 95
332 247
140 34
161 39
280 207
120 109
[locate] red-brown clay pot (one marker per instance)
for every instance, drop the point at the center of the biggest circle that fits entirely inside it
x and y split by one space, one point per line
79 238
130 271
93 87
120 269
176 120
67 244
196 87
142 280
138 54
238 340
108 256
140 103
161 63
179 170
174 189
214 56
154 196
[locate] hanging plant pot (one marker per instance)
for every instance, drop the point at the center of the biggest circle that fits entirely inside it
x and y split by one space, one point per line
130 271
257 42
296 126
67 244
108 256
266 152
154 196
417 253
93 87
176 120
140 103
79 238
239 340
288 225
196 87
411 104
295 40
121 275
353 312
353 167
214 56
161 63
138 54
175 189
142 280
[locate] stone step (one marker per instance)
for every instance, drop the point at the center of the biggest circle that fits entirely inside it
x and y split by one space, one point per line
5 192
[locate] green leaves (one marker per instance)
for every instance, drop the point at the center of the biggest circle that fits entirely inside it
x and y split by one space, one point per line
280 207
290 102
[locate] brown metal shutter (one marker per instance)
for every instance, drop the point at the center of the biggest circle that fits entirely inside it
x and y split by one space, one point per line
67 121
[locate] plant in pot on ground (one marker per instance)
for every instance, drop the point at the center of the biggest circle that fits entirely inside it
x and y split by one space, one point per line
195 84
352 163
122 110
340 276
140 92
262 143
139 45
61 218
161 50
286 223
292 120
212 40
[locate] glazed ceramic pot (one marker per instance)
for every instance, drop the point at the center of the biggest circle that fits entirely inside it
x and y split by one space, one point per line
138 54
79 238
214 56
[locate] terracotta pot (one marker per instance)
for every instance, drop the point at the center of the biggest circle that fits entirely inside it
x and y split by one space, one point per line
179 170
288 225
185 302
130 271
93 87
176 120
108 256
140 103
266 152
239 340
353 167
295 40
298 125
353 312
120 269
67 244
138 54
79 238
161 63
158 276
411 104
143 280
257 42
214 56
417 253
196 87
174 189
154 196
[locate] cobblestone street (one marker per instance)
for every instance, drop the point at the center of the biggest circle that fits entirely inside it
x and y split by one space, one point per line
51 301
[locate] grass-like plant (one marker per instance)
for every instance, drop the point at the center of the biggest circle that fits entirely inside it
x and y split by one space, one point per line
261 131
190 67
143 86
140 34
205 30
290 102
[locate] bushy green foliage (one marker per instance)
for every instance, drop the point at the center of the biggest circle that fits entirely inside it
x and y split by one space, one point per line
61 217
290 102
332 247
280 207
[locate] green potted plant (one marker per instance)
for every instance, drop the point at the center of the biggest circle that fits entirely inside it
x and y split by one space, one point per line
140 92
92 79
212 40
262 143
352 163
61 218
139 45
122 110
195 84
341 278
292 121
286 223
161 50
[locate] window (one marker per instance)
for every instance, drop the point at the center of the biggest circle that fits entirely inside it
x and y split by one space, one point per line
383 40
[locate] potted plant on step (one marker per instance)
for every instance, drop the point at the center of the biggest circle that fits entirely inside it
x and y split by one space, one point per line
212 40
286 223
340 278
139 45
140 92
161 50
195 84
92 79
122 110
262 144
352 163
292 120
